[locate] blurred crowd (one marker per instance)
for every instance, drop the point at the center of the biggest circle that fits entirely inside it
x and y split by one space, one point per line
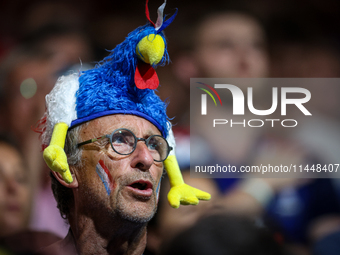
41 40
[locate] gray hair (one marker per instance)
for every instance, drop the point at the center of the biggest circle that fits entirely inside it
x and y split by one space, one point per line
71 145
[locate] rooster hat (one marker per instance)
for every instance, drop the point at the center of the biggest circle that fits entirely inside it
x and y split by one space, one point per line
122 83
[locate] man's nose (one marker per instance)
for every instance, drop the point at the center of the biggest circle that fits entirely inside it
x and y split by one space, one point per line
141 157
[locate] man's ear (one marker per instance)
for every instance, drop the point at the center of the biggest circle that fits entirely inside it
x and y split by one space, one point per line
73 184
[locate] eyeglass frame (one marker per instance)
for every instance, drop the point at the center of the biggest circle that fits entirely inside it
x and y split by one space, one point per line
137 139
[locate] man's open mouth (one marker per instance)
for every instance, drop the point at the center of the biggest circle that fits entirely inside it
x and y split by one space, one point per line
141 188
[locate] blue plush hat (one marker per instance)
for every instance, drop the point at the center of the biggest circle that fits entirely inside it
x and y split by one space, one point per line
110 88
122 83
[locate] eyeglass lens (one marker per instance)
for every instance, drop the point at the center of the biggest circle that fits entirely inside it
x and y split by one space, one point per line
124 142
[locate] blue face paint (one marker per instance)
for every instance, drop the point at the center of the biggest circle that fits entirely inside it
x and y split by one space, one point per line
105 176
158 189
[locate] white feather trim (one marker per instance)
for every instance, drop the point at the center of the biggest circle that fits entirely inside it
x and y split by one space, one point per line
61 104
171 139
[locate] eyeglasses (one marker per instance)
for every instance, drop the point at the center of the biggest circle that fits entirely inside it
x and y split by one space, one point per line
124 142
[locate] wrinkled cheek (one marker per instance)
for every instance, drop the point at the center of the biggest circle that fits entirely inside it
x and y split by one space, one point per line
105 176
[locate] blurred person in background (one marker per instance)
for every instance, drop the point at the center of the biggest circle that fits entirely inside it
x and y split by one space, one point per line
309 48
234 45
229 44
15 202
226 44
15 193
221 44
317 56
27 75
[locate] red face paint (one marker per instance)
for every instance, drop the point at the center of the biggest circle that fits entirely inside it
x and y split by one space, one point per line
105 176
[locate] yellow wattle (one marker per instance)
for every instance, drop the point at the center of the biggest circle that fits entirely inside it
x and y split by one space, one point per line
151 49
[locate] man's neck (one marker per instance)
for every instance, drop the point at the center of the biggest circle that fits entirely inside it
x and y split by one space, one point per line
66 247
115 237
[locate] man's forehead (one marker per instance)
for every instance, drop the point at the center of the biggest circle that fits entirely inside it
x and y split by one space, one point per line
138 125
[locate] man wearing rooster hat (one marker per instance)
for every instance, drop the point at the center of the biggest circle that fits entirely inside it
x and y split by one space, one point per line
107 139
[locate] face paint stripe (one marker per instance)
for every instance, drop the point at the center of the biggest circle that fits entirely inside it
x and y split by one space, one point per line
103 176
157 190
110 179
